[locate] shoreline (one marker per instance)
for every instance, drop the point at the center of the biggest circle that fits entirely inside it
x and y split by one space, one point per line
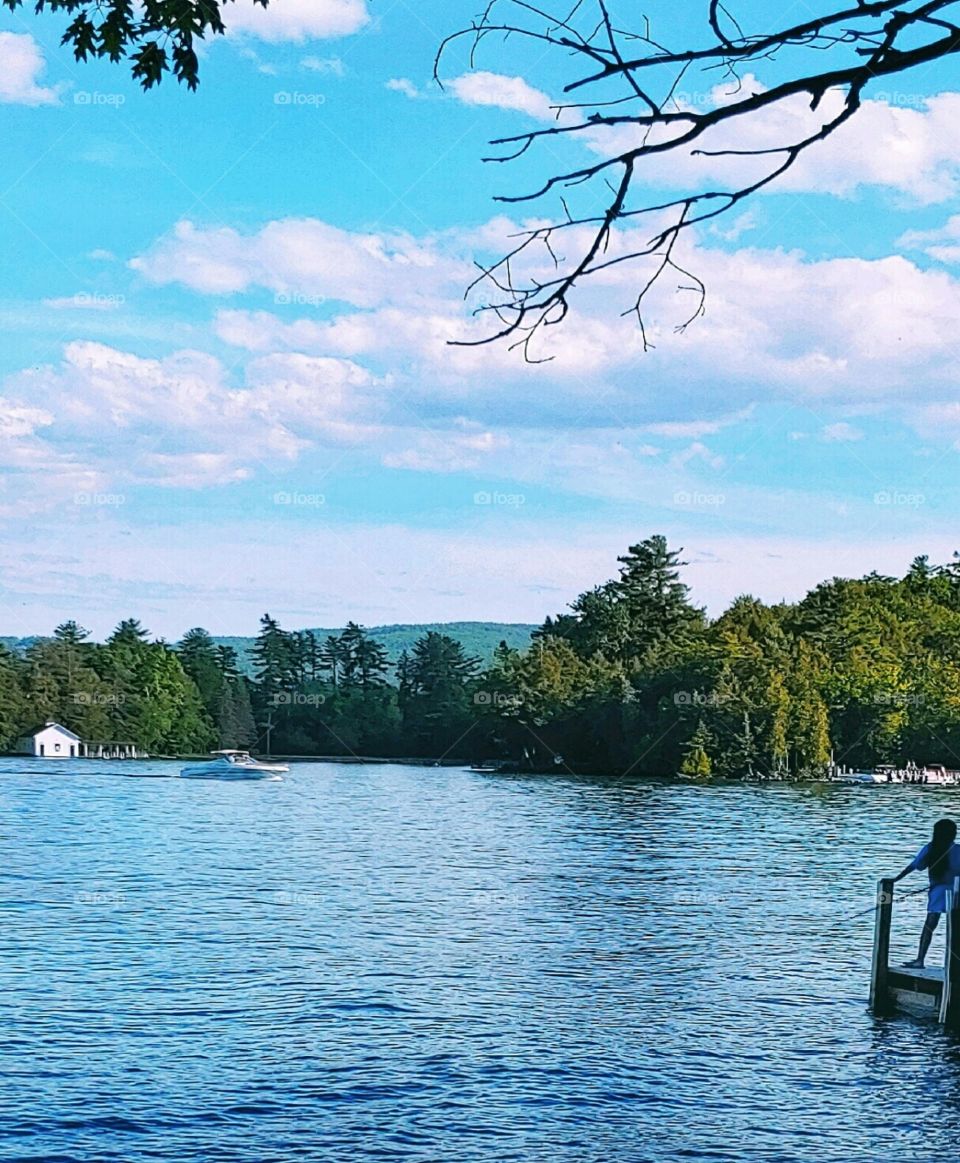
513 770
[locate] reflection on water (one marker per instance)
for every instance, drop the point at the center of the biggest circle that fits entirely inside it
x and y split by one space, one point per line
426 964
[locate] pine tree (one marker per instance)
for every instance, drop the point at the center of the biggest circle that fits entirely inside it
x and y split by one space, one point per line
696 760
234 719
71 634
128 633
330 657
202 662
274 659
437 709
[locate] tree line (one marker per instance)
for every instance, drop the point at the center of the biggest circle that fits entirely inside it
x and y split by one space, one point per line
337 696
633 677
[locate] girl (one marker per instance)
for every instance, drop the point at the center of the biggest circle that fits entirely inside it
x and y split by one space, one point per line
941 859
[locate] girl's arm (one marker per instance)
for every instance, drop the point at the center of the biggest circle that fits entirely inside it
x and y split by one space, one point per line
917 862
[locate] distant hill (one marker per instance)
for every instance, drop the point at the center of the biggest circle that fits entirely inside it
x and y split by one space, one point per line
477 638
19 645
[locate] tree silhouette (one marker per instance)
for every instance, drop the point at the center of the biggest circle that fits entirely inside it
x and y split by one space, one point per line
155 36
622 100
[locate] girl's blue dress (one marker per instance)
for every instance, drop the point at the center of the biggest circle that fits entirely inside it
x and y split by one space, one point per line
948 870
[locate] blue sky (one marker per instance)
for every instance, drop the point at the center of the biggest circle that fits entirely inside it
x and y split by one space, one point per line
226 387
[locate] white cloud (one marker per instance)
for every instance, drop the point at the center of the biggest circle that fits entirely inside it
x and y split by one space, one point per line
178 421
494 90
765 325
942 244
192 470
840 433
766 335
18 420
332 66
406 87
501 92
732 231
696 451
297 20
446 452
914 151
84 301
21 66
298 257
695 429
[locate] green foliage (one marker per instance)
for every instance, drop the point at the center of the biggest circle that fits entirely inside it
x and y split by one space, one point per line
437 708
155 703
859 672
696 761
640 619
477 638
156 36
223 691
632 679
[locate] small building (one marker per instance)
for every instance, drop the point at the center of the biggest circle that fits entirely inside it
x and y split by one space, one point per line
51 741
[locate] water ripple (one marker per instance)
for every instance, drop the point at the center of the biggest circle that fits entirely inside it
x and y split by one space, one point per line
393 963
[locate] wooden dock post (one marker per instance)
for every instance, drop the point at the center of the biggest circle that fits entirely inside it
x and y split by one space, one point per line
879 994
950 999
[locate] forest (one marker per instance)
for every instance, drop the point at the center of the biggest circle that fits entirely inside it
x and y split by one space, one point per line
633 677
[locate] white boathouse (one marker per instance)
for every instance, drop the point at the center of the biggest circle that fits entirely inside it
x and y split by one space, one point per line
51 741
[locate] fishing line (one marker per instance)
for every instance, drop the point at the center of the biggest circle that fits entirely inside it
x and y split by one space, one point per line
873 908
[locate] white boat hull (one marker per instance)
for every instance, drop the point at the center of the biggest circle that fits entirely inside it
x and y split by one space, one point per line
233 770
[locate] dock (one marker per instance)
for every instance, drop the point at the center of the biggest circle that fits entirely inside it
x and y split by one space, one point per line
933 990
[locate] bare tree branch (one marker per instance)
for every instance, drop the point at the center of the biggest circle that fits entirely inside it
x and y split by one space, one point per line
866 41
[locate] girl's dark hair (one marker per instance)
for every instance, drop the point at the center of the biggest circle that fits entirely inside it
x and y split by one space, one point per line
944 834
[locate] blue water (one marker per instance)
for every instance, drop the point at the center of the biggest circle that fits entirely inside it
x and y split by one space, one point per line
398 963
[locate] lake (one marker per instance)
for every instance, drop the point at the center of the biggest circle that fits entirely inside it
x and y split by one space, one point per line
401 963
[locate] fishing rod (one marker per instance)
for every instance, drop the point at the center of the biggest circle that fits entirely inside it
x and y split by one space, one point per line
873 908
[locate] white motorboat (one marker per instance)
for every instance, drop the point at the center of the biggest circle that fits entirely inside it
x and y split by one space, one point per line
233 765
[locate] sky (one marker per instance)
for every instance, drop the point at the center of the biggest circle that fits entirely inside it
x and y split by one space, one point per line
227 386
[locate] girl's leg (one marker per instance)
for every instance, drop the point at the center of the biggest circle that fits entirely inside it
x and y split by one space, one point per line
926 936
